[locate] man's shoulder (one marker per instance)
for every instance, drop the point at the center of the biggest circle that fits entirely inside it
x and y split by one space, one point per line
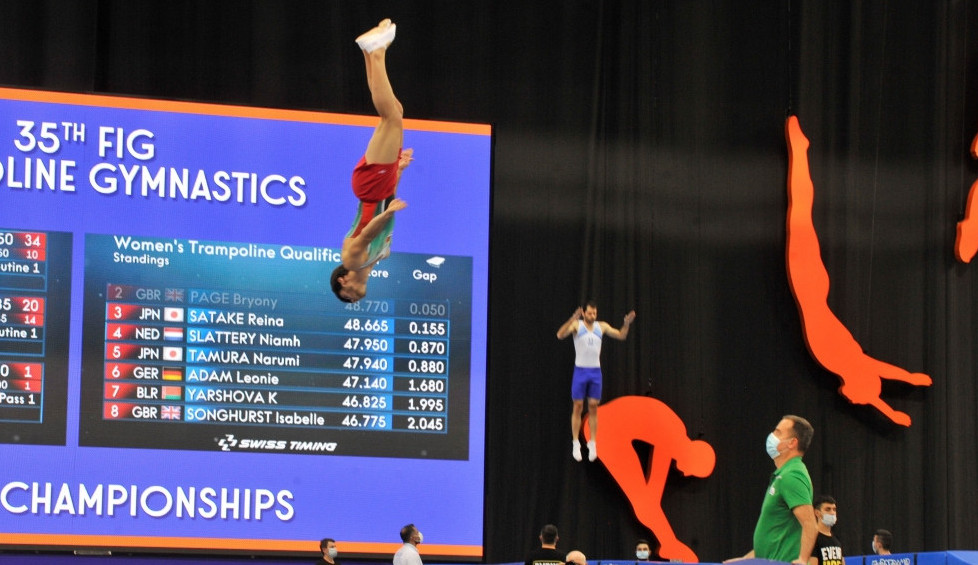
542 552
407 554
545 555
795 484
406 548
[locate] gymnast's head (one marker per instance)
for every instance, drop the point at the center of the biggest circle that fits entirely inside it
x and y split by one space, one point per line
346 289
590 312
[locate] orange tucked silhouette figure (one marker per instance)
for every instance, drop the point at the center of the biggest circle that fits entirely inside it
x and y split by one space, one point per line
966 244
828 340
630 418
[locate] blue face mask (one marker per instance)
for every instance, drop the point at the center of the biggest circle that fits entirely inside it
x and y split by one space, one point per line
772 445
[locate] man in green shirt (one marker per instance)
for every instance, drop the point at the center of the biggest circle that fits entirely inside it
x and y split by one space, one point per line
786 528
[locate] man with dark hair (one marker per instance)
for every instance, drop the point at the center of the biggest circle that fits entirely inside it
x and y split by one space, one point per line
376 176
828 549
547 553
587 332
642 550
786 528
408 554
328 547
882 542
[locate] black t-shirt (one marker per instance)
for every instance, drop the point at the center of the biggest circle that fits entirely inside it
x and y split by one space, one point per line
828 550
546 555
322 561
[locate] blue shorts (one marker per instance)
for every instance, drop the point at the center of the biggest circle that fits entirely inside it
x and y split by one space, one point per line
586 383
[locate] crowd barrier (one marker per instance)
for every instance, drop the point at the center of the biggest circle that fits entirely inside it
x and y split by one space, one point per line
924 558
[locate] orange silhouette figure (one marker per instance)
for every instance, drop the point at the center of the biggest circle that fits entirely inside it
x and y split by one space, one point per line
828 340
630 418
966 244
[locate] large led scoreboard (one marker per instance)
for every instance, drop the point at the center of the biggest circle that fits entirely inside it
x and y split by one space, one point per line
175 373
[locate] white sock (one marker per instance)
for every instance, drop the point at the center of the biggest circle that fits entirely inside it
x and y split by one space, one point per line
576 451
592 450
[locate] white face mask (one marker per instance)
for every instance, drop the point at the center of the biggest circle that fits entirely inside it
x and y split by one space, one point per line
332 552
829 519
420 537
875 549
771 445
642 554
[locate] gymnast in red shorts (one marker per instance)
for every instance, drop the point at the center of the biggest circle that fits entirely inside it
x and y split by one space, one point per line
376 176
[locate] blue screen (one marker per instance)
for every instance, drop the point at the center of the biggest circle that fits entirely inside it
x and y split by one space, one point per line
175 372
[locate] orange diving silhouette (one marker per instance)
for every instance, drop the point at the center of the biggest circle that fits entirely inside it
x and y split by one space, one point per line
966 244
828 340
630 418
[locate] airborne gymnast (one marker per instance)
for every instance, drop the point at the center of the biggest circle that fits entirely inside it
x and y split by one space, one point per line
376 176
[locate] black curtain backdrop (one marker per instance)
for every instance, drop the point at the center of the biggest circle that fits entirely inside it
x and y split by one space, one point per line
640 160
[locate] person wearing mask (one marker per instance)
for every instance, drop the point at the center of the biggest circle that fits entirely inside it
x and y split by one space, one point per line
408 554
328 547
786 528
828 549
882 542
642 551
